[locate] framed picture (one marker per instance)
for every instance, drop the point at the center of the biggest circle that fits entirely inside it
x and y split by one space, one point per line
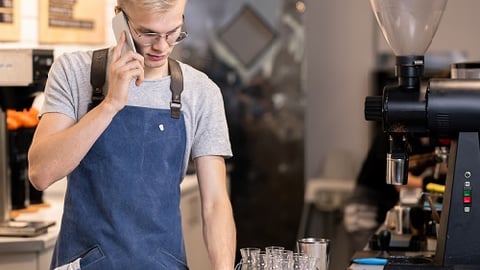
248 35
72 21
9 20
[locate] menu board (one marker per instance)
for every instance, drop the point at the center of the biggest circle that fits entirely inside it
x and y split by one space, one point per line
72 21
9 20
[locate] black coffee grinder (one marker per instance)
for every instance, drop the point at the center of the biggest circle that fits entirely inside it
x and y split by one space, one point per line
450 109
23 73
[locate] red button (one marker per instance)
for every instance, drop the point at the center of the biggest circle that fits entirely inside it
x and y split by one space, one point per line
467 199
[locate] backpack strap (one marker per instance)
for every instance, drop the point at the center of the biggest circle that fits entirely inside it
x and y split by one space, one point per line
98 73
176 86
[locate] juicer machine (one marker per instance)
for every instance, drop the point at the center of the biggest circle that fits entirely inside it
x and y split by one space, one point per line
450 109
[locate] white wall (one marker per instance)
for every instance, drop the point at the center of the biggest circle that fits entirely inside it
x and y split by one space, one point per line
341 40
339 58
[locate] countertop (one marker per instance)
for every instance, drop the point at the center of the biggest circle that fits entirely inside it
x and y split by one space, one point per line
355 266
52 211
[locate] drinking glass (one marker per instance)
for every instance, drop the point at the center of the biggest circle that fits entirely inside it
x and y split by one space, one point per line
286 259
299 261
274 250
250 257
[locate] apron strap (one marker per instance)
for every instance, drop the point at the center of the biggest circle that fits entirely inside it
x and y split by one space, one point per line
97 79
176 86
97 75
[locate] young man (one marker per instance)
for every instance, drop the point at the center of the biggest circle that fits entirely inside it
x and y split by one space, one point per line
125 158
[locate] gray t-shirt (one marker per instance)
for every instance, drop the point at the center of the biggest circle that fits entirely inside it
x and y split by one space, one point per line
68 91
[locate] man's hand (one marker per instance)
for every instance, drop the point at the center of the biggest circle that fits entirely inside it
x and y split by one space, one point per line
123 69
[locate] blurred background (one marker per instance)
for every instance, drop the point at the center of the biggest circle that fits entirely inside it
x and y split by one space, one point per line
294 76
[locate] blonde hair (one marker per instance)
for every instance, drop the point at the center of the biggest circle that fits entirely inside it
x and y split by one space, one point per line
159 6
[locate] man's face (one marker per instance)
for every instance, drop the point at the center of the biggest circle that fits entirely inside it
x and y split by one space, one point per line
155 33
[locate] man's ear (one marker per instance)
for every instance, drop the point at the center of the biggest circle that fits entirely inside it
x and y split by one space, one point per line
117 9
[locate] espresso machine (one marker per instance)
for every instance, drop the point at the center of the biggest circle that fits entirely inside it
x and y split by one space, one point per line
23 73
449 110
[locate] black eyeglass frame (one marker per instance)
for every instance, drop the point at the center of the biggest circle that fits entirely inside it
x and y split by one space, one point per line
182 35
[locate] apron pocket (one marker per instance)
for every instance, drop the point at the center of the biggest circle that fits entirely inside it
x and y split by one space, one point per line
91 256
88 258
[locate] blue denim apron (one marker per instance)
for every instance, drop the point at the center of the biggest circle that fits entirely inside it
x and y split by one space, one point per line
122 205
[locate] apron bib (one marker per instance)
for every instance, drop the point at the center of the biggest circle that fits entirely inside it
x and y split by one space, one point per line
122 205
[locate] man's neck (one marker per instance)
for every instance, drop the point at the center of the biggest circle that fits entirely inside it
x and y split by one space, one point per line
156 73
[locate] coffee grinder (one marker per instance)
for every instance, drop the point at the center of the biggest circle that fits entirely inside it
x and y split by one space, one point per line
449 110
23 73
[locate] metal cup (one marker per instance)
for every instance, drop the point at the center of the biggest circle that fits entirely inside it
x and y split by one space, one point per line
318 248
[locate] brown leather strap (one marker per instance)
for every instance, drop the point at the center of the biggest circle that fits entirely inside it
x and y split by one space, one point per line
97 75
176 86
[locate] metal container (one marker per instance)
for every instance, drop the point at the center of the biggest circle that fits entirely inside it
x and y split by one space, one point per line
5 195
398 220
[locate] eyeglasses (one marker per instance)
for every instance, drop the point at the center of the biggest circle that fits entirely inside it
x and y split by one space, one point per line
172 38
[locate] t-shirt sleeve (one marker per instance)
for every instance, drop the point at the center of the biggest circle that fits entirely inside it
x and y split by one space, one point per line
211 134
67 74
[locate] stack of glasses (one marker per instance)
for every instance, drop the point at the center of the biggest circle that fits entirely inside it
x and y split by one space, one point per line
279 258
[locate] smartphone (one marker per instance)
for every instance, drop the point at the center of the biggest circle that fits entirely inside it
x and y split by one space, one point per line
120 24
